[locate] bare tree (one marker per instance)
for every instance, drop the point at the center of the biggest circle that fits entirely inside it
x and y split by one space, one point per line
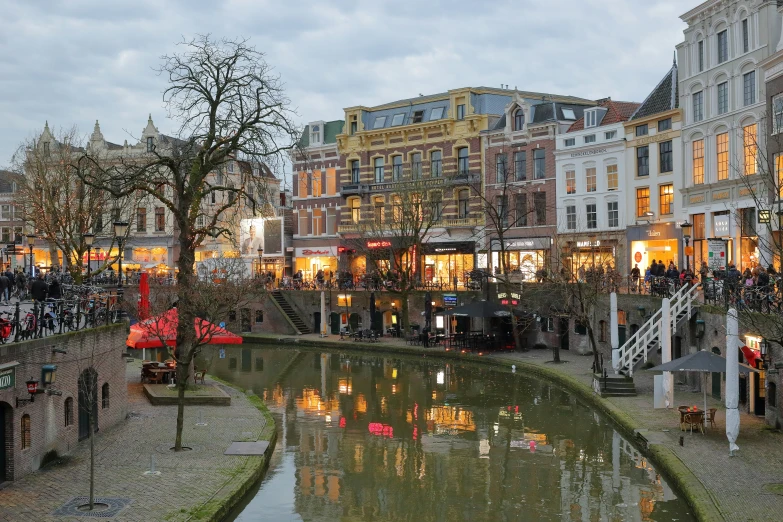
229 106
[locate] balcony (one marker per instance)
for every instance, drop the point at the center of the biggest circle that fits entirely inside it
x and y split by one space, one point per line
469 222
349 228
350 190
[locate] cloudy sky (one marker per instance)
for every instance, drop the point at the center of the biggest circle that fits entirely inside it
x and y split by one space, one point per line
74 61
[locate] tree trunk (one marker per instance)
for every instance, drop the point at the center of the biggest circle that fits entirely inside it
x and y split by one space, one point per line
404 310
186 332
556 351
596 358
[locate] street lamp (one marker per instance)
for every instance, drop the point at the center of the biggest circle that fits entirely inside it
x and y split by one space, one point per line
88 239
686 235
31 244
120 230
260 256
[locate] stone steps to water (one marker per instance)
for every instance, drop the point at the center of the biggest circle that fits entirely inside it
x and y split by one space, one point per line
288 310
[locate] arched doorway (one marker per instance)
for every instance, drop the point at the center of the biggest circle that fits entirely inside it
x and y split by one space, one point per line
88 400
6 445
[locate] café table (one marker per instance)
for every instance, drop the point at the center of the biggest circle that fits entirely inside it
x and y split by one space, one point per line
165 372
692 417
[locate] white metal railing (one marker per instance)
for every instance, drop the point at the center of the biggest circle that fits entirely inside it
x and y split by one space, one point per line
650 331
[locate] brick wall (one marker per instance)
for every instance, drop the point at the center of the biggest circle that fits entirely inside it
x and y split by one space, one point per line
102 349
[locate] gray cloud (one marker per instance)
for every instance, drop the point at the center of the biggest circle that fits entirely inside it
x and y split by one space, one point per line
74 61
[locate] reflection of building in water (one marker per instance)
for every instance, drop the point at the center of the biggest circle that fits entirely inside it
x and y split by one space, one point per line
449 419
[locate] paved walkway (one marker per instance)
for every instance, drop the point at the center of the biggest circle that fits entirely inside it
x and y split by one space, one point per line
735 484
190 484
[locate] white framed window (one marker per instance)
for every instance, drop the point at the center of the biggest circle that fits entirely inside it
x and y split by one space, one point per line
570 142
571 217
591 118
613 214
777 113
723 98
610 135
749 88
590 138
698 106
592 215
316 134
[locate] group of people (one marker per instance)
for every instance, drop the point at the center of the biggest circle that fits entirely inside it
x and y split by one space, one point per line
15 283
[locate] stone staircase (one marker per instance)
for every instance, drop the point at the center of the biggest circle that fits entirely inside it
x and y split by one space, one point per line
614 386
288 311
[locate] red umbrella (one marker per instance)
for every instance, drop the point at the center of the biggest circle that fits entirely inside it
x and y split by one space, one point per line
149 333
144 296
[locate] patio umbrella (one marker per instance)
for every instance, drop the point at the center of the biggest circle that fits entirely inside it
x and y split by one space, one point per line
704 362
144 296
152 332
478 309
428 310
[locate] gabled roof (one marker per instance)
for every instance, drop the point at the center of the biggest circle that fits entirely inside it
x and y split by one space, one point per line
331 130
616 112
664 97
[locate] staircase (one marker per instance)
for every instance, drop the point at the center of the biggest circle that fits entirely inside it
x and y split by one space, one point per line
288 311
648 337
614 386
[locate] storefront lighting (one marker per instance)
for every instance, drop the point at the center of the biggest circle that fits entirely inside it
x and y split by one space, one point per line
440 377
764 347
48 374
32 389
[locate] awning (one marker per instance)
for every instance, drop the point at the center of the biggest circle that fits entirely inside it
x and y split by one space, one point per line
152 332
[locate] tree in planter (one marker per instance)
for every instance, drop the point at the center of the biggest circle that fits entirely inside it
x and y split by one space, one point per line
53 200
229 107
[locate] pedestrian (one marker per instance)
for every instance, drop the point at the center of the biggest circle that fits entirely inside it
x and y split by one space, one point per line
54 290
39 288
21 285
5 287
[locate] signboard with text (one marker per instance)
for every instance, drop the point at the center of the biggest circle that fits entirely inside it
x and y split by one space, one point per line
716 254
7 378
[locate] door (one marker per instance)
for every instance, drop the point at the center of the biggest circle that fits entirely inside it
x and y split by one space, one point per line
716 379
317 322
563 329
621 334
759 393
334 319
2 443
88 396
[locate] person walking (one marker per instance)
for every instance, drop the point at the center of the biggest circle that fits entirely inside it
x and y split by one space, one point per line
21 285
635 274
39 289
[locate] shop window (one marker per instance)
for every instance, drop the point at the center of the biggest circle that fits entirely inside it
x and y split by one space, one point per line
642 201
698 226
105 395
520 165
750 147
698 162
68 412
772 394
602 331
25 438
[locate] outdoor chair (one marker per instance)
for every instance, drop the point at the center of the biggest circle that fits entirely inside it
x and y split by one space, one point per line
695 420
155 378
199 376
683 410
711 416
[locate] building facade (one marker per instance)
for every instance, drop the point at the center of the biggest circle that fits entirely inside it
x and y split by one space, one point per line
653 167
591 186
722 97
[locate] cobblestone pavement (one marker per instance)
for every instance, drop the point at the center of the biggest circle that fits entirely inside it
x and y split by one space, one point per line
187 480
735 483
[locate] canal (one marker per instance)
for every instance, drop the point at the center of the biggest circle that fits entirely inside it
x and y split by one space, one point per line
364 437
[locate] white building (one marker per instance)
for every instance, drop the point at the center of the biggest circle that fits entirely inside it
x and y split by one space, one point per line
591 185
721 94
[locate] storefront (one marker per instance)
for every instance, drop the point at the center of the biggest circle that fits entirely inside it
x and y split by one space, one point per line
267 264
312 259
524 255
590 253
443 262
659 242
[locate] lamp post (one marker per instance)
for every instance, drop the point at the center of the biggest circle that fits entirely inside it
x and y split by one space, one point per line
120 229
260 256
31 244
686 235
88 239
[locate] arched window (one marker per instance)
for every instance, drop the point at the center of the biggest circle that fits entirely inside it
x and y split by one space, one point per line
519 119
25 438
316 134
68 411
105 395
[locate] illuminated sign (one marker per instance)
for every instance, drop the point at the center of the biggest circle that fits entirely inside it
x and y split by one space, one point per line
380 430
721 225
379 244
588 244
764 216
449 299
308 252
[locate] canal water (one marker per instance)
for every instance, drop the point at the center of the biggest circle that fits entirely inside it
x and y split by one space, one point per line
412 439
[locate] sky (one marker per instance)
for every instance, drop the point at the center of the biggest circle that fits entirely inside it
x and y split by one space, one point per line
72 62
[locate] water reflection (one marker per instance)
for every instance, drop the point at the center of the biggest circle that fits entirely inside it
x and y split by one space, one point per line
375 438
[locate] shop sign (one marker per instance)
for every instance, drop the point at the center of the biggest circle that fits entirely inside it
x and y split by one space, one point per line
653 139
653 233
518 243
588 244
308 252
588 153
466 247
764 216
637 257
503 297
716 254
721 225
449 299
7 378
379 244
315 251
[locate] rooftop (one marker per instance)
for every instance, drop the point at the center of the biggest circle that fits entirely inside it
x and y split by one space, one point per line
664 97
616 112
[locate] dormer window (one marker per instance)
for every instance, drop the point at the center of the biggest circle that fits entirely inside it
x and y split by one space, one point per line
436 113
568 114
398 119
591 119
354 125
417 117
519 120
380 121
150 144
316 134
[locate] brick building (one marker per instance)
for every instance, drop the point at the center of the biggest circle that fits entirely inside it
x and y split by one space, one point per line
56 422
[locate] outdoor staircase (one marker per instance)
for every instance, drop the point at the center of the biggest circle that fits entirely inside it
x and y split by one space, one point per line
648 337
614 386
288 311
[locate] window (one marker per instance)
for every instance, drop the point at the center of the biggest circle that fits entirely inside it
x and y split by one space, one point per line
25 435
150 144
418 116
665 153
68 411
571 217
316 133
501 206
611 177
463 203
591 118
160 219
568 114
436 199
642 201
641 130
416 165
590 138
6 212
380 121
436 113
259 319
777 113
722 155
397 168
5 235
378 208
750 146
462 161
539 163
201 221
46 148
749 88
435 164
318 222
105 395
461 111
613 214
700 58
520 165
141 219
723 98
396 209
745 36
539 207
519 119
355 171
698 162
231 167
610 135
592 216
664 125
570 177
778 158
378 163
698 106
353 126
723 46
666 199
643 161
304 222
521 208
397 119
570 142
500 168
355 206
698 226
590 179
747 222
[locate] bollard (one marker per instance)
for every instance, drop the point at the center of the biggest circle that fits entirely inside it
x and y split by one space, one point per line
152 470
201 418
682 440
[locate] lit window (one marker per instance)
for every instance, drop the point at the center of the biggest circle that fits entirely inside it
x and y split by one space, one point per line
666 198
380 121
722 152
750 145
570 176
698 162
397 119
436 113
611 177
355 206
642 201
